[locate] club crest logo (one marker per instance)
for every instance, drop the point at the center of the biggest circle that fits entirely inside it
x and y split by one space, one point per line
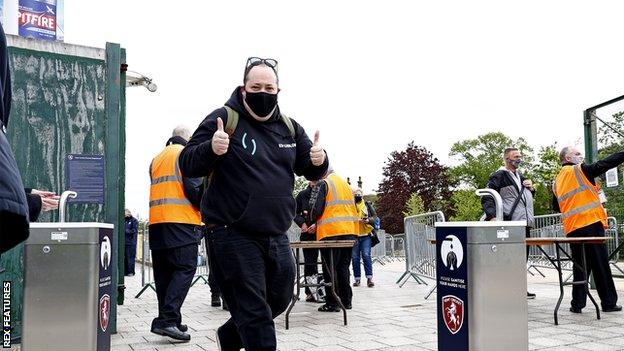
453 311
104 311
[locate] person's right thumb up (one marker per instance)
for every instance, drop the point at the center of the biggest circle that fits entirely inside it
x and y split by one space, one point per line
220 139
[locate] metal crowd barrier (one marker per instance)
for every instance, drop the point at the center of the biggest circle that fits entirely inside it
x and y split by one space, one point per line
378 252
147 272
420 253
549 226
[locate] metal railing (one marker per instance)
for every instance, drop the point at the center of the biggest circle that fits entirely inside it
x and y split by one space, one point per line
147 271
550 226
420 253
379 251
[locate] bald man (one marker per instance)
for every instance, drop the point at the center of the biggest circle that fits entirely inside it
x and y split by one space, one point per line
248 205
578 198
174 234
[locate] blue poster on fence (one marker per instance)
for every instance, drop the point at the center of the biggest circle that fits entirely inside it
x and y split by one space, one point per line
452 285
85 174
37 19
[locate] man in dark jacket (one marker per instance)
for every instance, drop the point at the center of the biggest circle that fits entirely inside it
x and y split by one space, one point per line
248 206
174 234
18 205
132 229
304 220
516 193
596 255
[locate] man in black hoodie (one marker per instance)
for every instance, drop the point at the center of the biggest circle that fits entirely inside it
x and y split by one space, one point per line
248 205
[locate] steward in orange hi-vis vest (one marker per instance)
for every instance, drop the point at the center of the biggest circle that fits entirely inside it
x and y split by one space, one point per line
578 199
340 216
168 204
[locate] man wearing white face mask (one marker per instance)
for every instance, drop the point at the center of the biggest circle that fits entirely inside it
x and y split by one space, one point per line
516 193
578 198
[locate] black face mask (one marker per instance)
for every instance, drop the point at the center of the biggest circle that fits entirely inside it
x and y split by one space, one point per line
358 199
261 103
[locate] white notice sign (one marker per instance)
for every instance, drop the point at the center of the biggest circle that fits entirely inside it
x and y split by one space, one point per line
612 178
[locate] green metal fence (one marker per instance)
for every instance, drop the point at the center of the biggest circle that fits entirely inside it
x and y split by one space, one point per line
66 99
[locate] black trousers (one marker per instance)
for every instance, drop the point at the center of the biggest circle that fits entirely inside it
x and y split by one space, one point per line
598 264
310 258
173 274
342 262
130 257
256 274
212 282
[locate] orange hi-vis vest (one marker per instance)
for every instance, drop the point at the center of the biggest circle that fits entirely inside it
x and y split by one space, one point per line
168 204
578 200
340 216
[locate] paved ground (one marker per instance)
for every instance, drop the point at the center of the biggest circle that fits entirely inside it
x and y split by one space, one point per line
383 318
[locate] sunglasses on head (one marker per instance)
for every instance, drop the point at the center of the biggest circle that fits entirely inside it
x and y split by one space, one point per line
256 61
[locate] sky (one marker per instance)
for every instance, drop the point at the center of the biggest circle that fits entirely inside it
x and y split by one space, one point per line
371 76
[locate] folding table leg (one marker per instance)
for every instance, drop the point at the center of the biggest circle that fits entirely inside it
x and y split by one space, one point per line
295 297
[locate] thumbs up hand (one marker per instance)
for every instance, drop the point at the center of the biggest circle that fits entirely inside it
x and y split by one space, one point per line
317 154
220 139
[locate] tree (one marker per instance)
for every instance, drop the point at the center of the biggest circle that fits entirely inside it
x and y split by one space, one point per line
413 170
414 206
543 175
609 142
466 205
479 157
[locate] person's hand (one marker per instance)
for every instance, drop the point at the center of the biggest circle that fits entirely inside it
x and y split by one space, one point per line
49 203
364 220
528 184
317 154
492 219
43 193
312 229
220 139
304 228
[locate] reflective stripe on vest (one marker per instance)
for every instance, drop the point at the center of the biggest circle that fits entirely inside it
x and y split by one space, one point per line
579 201
340 214
168 203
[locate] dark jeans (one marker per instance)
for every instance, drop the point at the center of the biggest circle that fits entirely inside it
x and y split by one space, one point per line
173 273
342 261
212 282
362 248
310 258
130 257
598 264
256 274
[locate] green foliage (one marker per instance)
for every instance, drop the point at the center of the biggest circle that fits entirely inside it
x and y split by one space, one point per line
414 205
611 142
479 157
543 174
466 205
300 184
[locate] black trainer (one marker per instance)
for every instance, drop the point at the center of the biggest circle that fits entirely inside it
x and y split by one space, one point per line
615 308
172 332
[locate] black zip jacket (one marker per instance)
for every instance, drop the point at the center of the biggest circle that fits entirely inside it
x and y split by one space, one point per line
251 185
